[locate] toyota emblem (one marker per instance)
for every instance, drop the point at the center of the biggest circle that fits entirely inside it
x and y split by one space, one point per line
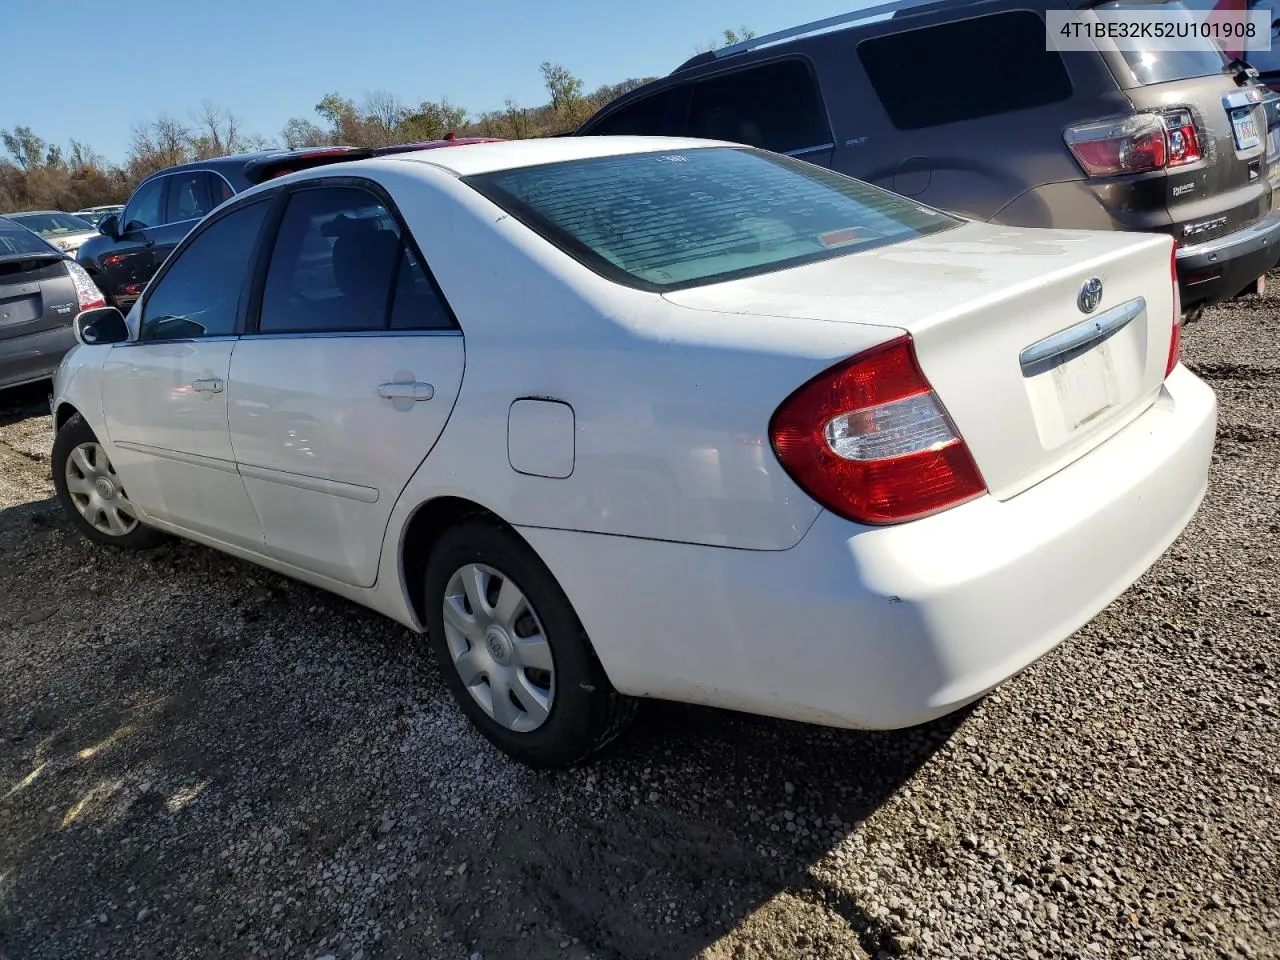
1090 295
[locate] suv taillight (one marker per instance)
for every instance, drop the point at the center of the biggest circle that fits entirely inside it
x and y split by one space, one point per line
1175 338
1184 140
869 440
1136 144
87 291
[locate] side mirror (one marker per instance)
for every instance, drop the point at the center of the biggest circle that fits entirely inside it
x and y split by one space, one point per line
110 226
102 325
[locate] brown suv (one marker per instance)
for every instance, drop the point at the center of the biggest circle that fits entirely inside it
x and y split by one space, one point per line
961 105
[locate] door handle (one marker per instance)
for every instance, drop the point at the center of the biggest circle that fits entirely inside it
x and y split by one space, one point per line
211 385
411 390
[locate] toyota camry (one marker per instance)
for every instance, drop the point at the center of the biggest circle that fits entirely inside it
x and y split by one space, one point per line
614 418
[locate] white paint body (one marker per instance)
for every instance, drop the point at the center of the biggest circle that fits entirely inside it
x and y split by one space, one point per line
624 434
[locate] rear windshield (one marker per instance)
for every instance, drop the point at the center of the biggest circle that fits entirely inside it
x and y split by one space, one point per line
1199 58
685 218
15 239
53 224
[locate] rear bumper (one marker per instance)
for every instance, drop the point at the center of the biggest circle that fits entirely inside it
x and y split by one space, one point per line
1218 269
893 626
33 357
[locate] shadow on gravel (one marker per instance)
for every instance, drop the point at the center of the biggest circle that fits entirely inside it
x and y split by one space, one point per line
22 403
193 751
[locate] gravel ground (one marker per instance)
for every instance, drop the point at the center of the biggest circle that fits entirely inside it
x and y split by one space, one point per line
199 759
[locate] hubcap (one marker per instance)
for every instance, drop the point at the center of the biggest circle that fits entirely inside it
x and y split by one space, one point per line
95 491
498 647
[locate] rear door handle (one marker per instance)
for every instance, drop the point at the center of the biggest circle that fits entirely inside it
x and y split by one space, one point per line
406 390
212 385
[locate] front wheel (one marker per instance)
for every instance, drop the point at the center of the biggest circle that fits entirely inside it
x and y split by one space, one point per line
513 651
92 493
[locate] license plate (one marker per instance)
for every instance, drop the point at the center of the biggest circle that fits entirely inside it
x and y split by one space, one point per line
1244 128
1086 387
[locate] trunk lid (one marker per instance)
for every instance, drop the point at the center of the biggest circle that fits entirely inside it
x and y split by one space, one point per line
36 294
1026 375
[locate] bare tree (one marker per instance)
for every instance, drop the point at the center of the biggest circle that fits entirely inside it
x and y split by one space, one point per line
383 113
164 142
301 132
217 131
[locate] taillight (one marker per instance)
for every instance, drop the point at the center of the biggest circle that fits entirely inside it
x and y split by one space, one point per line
87 291
1175 338
1136 144
1184 141
869 440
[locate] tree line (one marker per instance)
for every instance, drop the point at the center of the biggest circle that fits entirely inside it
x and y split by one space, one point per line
39 175
42 175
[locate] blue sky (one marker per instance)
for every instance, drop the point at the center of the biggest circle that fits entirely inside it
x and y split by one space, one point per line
75 68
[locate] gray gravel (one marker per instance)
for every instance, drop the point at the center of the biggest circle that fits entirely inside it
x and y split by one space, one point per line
199 759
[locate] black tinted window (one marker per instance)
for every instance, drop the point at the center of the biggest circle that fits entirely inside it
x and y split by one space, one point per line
417 305
332 265
983 66
144 206
197 296
775 106
190 196
650 117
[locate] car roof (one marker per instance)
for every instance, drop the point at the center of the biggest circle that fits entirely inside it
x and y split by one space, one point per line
23 213
507 154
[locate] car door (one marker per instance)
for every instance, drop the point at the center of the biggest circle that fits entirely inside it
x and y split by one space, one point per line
164 395
344 380
131 261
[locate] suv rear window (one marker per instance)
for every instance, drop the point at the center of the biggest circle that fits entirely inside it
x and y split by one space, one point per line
668 220
1202 58
982 66
775 106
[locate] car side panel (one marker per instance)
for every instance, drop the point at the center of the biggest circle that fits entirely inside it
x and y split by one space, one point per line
671 437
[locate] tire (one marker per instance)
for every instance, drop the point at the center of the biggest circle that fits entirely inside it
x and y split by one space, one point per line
98 505
550 718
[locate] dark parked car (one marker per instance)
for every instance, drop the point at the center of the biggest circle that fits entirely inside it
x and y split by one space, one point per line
41 291
167 205
961 105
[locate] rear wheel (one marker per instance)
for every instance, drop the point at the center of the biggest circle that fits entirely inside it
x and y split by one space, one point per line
92 493
513 651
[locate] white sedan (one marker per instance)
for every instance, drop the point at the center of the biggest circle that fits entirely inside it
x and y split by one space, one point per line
610 418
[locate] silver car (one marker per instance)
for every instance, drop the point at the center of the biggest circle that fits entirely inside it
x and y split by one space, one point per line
65 231
41 291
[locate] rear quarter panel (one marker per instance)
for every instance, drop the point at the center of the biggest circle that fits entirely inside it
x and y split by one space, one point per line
671 405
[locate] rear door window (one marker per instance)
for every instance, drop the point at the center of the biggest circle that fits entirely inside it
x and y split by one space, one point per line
341 264
190 196
775 106
987 66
